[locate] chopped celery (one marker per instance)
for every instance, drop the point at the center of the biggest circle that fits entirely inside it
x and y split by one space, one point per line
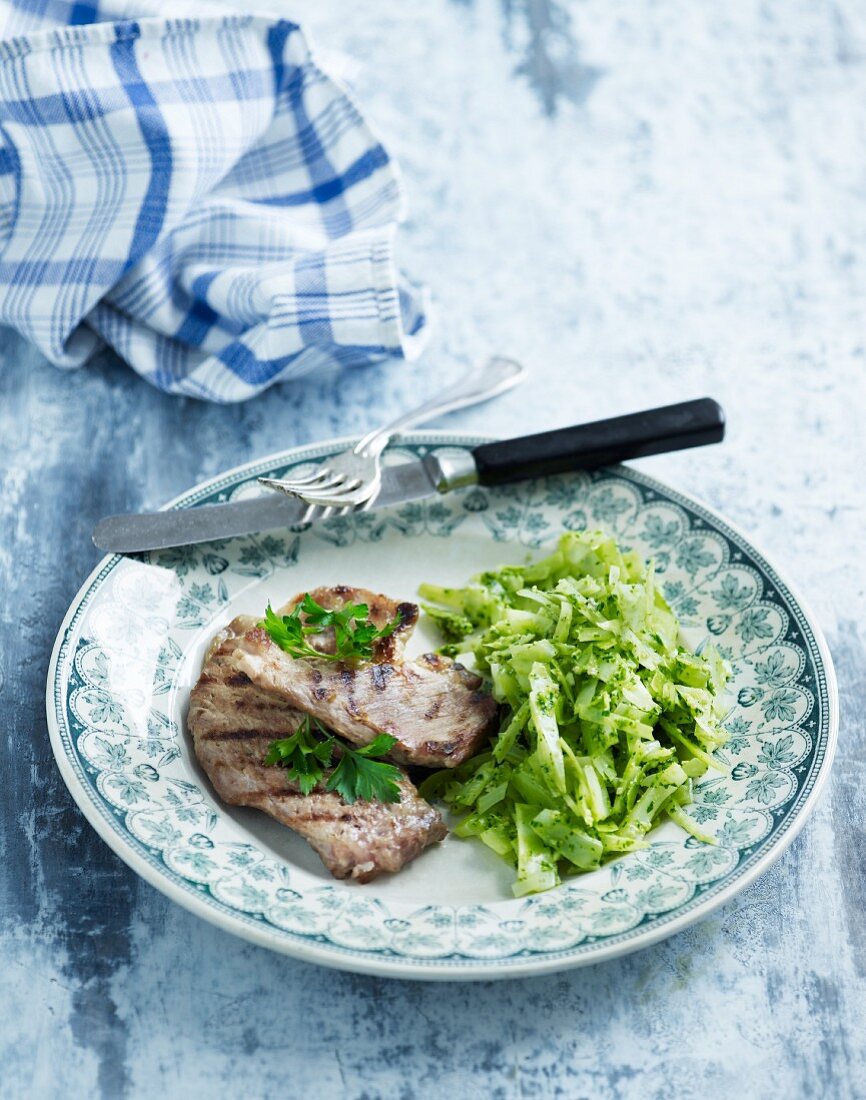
536 866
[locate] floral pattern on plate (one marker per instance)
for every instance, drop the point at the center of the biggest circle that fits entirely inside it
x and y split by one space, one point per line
118 675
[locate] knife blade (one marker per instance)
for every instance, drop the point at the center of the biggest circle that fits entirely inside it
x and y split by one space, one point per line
127 534
580 447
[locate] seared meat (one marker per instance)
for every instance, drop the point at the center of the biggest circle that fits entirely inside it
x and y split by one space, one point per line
382 610
434 707
232 723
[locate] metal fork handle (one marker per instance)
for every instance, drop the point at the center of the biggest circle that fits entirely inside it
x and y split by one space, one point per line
496 376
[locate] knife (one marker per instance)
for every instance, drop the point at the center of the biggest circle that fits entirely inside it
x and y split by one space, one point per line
581 447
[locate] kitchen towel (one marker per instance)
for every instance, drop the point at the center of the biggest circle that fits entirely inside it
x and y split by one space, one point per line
196 193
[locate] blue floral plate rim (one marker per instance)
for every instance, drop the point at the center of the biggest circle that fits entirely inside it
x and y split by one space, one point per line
451 967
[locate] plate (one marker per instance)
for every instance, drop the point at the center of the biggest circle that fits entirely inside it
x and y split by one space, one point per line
131 647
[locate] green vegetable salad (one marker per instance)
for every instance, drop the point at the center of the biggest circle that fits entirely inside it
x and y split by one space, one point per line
609 718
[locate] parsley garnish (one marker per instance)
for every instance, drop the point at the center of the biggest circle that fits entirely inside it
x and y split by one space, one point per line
304 755
354 634
356 777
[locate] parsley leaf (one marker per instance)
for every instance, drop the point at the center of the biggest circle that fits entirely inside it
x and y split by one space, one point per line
304 756
354 634
381 744
356 777
287 631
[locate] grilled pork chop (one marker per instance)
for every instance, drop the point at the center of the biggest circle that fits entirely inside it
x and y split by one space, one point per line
232 724
434 707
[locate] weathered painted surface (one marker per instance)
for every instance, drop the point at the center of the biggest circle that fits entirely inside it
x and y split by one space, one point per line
645 202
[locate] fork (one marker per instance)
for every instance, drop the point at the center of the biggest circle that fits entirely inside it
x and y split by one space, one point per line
352 478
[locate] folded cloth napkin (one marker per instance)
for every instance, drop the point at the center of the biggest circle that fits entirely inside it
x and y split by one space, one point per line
194 192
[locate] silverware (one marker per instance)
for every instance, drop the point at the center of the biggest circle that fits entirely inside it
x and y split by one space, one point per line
353 477
582 447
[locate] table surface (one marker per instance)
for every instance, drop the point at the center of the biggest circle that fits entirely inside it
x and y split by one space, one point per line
644 203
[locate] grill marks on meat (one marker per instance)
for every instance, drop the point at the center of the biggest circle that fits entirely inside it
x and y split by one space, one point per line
382 610
233 722
434 707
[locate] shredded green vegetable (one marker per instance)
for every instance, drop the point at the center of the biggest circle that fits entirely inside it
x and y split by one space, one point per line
608 716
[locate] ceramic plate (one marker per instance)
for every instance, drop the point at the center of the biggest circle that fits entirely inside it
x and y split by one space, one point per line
131 647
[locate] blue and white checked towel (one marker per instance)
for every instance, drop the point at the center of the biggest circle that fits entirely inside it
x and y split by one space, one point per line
194 192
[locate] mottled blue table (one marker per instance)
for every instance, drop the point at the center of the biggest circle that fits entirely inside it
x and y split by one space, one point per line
644 202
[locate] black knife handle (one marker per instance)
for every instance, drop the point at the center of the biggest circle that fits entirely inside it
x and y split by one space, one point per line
602 443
